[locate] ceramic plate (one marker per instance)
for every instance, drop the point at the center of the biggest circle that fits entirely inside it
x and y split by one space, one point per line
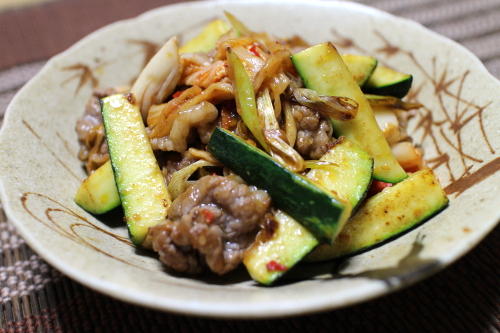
458 127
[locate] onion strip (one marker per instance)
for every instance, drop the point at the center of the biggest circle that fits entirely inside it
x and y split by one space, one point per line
158 79
179 181
392 102
339 108
279 148
290 124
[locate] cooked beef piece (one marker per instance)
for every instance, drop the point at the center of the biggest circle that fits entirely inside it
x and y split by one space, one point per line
211 223
175 163
314 133
90 132
183 259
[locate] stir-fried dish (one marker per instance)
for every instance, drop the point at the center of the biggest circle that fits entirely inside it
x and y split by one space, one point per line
241 147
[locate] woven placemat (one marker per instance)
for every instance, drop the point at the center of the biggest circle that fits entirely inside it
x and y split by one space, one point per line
463 298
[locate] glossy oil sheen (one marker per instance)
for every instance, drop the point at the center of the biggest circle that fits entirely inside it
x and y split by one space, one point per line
318 210
98 194
387 214
322 69
289 243
347 172
141 185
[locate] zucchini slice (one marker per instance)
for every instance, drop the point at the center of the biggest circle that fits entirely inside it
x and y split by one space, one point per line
386 81
140 183
320 211
205 41
361 67
246 104
349 173
345 170
322 69
98 194
269 257
387 215
239 27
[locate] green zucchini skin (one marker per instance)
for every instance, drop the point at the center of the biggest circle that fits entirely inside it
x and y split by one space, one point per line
361 67
322 69
98 194
348 172
140 183
387 215
386 81
319 211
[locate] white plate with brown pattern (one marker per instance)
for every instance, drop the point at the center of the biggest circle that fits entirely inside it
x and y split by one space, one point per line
458 128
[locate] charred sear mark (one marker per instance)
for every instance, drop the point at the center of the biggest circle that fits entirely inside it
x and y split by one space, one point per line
268 230
130 98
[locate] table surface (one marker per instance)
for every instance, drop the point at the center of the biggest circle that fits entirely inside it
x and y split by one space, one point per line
34 297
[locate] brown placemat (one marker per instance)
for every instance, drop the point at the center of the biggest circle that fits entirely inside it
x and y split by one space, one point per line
36 298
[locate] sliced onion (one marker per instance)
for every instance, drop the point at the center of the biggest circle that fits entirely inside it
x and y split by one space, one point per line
279 149
390 101
340 108
272 69
162 120
201 155
159 78
179 181
290 124
278 85
253 64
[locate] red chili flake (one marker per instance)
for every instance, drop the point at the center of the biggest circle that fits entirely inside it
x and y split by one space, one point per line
208 215
377 186
177 93
253 49
274 266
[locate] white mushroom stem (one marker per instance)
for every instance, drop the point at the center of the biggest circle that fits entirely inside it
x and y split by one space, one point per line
159 78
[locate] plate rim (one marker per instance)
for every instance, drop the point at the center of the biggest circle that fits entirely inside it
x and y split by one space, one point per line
222 309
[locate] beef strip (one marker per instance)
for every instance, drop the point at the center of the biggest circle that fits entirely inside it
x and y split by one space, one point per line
90 131
314 133
211 223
